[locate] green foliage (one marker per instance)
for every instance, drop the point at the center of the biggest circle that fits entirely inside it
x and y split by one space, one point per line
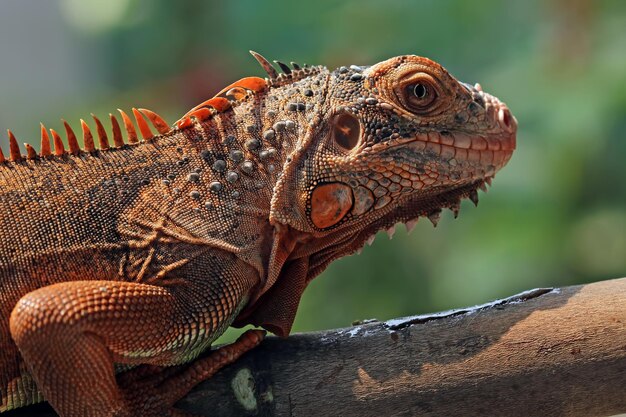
557 212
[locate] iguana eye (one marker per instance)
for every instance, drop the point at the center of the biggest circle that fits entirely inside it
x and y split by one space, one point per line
420 95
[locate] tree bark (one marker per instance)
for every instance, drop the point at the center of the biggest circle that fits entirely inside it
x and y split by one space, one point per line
545 352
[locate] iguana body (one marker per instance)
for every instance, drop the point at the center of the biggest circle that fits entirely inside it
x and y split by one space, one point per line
143 253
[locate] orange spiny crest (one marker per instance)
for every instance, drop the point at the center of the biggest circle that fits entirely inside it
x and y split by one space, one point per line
72 142
118 141
31 153
157 121
201 114
103 139
52 143
144 129
220 102
184 123
59 149
255 84
45 141
89 146
236 93
14 148
128 125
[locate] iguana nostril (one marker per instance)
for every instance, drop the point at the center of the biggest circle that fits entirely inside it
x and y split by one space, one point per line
505 118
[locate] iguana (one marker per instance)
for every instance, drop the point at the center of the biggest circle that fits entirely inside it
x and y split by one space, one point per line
138 254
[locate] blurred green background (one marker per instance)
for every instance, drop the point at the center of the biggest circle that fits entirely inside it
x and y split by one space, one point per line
556 214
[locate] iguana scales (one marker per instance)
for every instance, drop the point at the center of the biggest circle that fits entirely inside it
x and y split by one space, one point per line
142 252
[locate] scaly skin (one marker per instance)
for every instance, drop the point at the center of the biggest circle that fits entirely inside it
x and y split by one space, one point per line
144 253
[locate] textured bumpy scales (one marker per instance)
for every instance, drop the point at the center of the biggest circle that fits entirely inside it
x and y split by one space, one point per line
141 252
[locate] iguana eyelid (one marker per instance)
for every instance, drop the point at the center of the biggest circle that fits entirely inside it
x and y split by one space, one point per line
412 78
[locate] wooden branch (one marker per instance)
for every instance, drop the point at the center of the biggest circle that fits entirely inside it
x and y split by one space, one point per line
545 352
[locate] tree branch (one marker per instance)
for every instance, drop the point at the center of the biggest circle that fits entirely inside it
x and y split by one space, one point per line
557 352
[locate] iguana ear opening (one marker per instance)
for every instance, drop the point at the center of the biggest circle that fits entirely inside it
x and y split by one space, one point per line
346 131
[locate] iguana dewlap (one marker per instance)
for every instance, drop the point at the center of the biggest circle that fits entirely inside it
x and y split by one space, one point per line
128 251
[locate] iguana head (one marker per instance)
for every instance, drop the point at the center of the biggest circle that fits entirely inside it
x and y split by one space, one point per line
382 145
396 141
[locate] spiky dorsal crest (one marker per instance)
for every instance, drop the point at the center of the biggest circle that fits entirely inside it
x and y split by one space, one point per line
71 139
238 91
288 74
57 148
222 101
228 97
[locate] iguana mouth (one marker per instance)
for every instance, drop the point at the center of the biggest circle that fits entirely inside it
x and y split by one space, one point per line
493 144
490 151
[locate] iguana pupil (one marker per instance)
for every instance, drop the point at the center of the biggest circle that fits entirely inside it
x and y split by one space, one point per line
419 90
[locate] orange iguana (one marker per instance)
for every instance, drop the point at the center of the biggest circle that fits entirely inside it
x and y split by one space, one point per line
143 252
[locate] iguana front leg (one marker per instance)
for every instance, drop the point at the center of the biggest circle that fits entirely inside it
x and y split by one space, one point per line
71 334
169 385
